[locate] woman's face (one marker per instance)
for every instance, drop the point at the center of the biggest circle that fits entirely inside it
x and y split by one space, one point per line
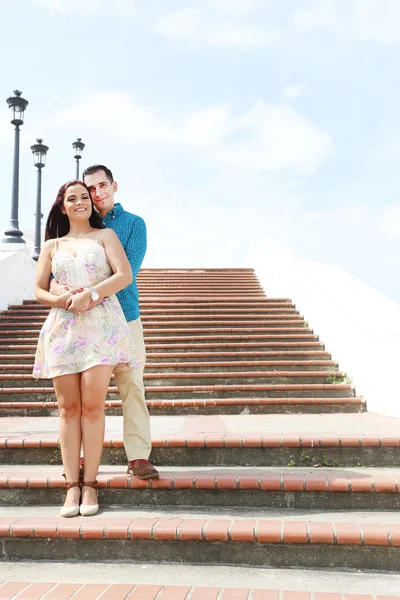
77 204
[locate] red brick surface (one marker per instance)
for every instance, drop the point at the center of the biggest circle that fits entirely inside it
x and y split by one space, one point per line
60 591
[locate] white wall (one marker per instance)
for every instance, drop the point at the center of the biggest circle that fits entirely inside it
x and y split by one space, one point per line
17 272
359 325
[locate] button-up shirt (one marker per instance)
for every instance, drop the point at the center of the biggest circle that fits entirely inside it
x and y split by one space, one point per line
131 231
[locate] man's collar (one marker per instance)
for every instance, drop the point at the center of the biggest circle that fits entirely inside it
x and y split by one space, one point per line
117 210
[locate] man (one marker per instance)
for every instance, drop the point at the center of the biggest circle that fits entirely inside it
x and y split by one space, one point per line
131 231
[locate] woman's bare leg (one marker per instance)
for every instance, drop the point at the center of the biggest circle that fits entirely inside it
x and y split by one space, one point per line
94 384
68 392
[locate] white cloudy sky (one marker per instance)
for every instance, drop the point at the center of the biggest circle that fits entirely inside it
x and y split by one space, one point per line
224 121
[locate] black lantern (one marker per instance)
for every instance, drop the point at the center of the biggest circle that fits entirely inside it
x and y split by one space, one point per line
78 147
18 105
39 151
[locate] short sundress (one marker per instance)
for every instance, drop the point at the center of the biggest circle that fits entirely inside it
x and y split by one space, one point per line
74 342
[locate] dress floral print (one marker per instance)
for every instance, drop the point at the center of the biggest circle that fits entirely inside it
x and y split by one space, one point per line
72 343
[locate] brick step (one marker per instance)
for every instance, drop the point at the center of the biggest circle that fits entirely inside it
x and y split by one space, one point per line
200 276
253 542
122 591
181 275
200 284
222 307
289 334
200 378
183 270
167 319
198 406
166 348
203 333
225 345
152 313
201 290
15 327
44 391
209 367
302 583
296 489
201 281
192 449
150 294
155 357
179 278
178 341
212 299
257 302
202 271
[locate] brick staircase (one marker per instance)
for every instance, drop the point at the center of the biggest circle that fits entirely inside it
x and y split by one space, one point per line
269 460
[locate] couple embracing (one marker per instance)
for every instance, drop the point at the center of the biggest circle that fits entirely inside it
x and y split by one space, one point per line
86 275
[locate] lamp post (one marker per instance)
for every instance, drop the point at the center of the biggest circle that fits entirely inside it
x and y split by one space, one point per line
39 151
18 105
78 147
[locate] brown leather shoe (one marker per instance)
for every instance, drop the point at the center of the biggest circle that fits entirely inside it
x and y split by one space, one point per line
143 469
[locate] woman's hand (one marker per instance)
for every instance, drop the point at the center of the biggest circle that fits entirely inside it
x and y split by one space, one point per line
66 296
79 302
94 303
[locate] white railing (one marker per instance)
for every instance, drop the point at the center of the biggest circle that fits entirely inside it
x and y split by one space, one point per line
17 272
359 325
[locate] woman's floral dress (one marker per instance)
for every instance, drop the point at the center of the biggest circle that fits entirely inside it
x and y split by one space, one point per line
74 342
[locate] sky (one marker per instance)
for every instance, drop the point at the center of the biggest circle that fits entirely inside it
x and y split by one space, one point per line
225 122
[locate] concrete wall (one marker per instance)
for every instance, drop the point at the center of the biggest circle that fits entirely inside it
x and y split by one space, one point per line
359 325
17 272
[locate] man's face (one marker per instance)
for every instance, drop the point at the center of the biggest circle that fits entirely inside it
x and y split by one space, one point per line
101 191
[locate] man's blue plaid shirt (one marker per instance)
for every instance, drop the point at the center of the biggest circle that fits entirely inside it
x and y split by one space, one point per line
131 231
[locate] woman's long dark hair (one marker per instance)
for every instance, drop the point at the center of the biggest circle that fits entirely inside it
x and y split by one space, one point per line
57 223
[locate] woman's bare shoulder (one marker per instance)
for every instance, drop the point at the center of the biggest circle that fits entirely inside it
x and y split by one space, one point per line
48 245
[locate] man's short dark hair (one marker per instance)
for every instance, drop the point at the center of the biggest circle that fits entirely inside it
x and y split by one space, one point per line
95 169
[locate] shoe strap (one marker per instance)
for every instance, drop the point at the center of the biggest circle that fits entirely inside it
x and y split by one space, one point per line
91 484
71 484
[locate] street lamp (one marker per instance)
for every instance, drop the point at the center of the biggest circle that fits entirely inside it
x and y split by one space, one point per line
39 151
78 147
18 105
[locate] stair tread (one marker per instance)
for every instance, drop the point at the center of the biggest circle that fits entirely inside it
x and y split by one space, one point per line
213 401
207 375
365 529
286 584
336 424
192 364
97 591
268 479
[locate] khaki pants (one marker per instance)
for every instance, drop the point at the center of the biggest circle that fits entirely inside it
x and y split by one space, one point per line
137 436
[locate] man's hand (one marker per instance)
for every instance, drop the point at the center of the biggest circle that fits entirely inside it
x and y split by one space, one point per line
79 302
56 288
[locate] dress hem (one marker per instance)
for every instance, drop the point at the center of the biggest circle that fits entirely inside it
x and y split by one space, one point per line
125 367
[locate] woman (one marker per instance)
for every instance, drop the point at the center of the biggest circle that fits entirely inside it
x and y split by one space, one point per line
85 336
